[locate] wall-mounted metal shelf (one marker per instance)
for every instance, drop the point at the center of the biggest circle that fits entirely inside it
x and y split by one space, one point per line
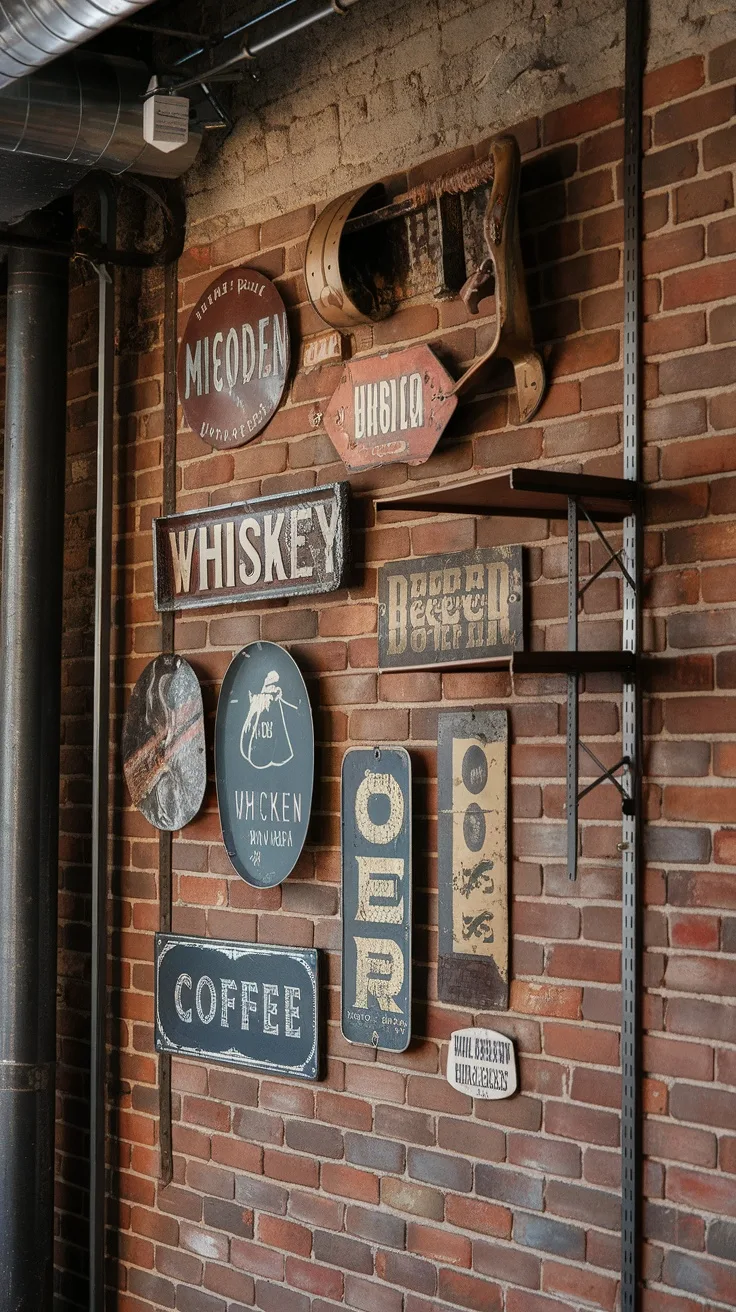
551 494
533 493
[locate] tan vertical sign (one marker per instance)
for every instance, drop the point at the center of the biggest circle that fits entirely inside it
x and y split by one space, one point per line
473 859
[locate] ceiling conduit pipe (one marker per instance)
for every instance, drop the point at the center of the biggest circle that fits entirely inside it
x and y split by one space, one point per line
256 45
30 680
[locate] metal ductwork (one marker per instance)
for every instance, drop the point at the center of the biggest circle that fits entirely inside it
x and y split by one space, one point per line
88 110
33 32
83 113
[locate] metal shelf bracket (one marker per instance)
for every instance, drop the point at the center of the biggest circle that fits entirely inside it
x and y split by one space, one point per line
575 593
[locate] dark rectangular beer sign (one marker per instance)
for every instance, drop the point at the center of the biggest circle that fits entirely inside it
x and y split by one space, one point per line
442 610
238 1003
376 897
472 867
291 544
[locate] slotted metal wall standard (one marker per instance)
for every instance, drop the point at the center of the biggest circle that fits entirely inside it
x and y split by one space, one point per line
636 18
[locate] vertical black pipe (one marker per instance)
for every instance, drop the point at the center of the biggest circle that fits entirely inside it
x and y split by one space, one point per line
30 675
101 746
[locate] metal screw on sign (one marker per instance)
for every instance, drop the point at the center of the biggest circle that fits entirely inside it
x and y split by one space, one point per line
374 1038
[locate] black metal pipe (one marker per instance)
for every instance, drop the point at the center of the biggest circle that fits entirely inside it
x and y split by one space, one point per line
250 49
30 676
101 745
235 31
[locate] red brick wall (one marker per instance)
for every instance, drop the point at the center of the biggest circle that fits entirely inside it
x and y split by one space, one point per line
381 1188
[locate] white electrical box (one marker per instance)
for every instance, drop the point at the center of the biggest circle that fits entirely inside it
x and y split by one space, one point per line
165 119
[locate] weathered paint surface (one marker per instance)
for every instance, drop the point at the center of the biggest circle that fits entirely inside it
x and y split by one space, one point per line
288 545
163 743
441 610
376 897
473 859
390 408
234 358
399 81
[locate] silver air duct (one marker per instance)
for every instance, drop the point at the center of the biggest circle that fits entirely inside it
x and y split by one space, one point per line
88 110
33 32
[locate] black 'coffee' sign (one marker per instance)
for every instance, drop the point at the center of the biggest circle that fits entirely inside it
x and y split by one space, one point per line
264 763
439 610
238 1003
376 897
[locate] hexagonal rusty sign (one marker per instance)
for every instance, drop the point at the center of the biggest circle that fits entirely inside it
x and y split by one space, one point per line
389 408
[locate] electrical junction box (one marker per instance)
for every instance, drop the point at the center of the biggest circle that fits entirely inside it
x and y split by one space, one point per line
165 119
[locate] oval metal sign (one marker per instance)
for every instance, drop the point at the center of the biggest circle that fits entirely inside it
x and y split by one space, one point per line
234 358
482 1063
264 763
164 760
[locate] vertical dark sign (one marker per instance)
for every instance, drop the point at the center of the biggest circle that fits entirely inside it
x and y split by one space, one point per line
472 777
264 763
376 897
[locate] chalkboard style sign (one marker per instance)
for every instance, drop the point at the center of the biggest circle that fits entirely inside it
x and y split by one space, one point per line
376 897
264 763
164 759
291 544
238 1003
482 1063
441 610
472 779
234 358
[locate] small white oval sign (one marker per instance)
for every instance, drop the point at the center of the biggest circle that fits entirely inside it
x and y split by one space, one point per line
482 1063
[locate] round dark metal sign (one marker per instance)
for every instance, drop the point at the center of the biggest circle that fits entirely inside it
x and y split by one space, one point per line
234 358
264 763
164 758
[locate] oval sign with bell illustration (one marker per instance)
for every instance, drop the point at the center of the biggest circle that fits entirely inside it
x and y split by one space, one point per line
264 763
164 759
